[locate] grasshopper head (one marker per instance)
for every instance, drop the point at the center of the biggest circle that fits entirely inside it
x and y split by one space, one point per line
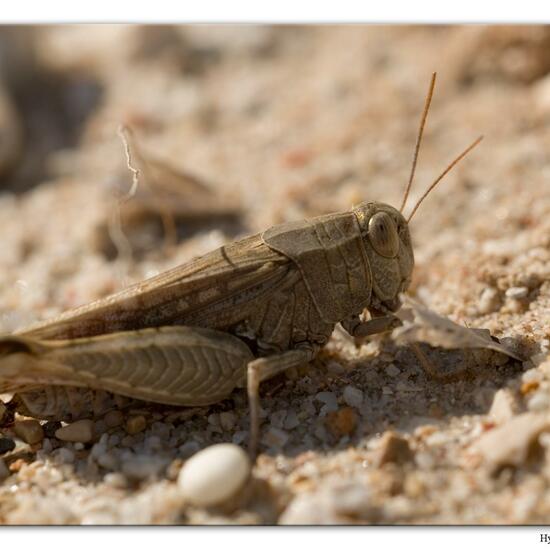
386 236
389 252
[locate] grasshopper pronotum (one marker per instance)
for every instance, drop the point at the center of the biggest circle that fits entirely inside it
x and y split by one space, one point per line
231 318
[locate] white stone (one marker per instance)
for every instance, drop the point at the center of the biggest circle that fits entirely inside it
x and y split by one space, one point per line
504 406
353 396
509 444
115 479
539 402
488 301
214 474
517 292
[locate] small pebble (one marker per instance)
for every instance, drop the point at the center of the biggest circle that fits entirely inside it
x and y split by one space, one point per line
517 292
336 369
330 402
277 418
353 396
504 406
98 449
214 420
488 301
392 370
331 506
393 448
30 431
107 461
6 445
539 401
115 479
275 438
162 430
424 460
291 420
342 422
143 466
135 424
66 456
80 431
153 443
113 419
227 420
214 474
510 444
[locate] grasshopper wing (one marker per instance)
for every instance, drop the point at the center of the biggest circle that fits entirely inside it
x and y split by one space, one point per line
214 290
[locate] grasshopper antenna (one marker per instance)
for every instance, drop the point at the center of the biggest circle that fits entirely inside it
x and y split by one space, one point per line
443 174
419 139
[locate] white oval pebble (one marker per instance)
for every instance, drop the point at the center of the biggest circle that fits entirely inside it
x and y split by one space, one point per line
214 474
517 292
488 301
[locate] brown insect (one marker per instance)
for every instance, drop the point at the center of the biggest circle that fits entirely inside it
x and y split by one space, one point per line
231 318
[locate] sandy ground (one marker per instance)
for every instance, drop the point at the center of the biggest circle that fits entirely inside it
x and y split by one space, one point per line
277 124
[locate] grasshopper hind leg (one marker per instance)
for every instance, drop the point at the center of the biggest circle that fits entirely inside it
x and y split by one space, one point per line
261 369
175 365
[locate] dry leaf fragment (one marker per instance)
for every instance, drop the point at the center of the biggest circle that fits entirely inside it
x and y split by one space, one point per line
421 324
511 443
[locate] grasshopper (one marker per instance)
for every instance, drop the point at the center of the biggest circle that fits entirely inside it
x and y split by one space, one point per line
229 319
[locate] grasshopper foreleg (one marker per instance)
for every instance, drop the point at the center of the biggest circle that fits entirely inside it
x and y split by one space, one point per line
361 329
262 369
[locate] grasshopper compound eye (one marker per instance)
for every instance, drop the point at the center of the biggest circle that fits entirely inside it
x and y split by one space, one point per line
383 235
